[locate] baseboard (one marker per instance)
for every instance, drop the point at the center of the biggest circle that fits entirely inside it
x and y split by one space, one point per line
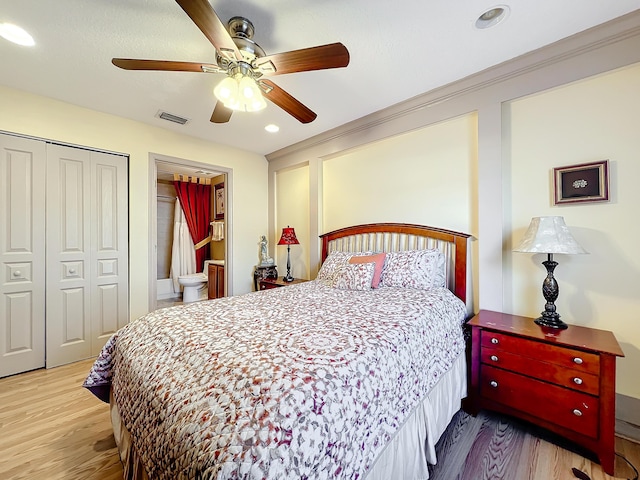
628 417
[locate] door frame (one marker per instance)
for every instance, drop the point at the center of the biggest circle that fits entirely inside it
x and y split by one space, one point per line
154 158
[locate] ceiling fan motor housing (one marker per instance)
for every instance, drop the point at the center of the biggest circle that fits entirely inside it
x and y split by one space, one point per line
240 27
241 30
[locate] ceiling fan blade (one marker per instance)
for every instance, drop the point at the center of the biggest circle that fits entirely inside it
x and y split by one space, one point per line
286 102
333 55
134 64
221 114
204 16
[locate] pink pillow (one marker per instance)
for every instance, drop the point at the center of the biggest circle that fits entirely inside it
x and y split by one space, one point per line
378 259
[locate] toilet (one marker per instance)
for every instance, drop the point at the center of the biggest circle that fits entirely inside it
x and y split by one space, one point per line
195 285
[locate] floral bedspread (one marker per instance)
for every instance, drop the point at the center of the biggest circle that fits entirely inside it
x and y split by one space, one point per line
302 382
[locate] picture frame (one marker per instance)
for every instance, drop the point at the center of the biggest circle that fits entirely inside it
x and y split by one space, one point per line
218 195
582 183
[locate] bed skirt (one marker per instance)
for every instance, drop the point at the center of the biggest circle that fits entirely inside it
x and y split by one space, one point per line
405 457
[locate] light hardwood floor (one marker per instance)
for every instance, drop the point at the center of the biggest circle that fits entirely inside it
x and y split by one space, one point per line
51 428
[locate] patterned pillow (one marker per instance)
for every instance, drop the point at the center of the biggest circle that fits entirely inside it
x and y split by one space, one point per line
377 259
331 263
351 276
419 269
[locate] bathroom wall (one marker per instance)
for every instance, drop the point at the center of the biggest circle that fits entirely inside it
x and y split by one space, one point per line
166 206
217 250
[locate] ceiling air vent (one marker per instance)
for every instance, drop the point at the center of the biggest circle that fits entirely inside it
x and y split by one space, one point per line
172 118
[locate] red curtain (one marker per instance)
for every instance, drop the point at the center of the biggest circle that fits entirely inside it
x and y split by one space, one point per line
196 200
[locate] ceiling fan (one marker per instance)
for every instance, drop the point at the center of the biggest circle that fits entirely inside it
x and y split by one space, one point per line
245 64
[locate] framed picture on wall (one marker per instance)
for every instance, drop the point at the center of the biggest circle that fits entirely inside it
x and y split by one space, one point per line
218 192
586 182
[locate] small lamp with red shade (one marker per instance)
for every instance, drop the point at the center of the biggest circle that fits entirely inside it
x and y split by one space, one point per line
288 238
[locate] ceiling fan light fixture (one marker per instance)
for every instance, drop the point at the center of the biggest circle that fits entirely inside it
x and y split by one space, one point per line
227 91
240 92
250 95
248 89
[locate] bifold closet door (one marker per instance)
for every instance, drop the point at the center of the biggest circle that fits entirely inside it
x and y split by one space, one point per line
87 252
22 254
110 247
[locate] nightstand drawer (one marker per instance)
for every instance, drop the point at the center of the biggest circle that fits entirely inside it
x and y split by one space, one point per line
267 285
576 380
544 352
573 410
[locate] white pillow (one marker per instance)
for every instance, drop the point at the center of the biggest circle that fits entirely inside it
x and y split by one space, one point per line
333 261
350 276
418 269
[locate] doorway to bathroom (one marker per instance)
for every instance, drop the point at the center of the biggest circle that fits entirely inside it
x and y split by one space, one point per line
163 171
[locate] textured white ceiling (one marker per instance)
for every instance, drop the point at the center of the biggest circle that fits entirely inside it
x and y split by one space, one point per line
398 50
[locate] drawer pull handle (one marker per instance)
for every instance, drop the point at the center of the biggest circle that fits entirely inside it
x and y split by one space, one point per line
577 413
577 381
494 358
494 341
17 273
577 361
493 383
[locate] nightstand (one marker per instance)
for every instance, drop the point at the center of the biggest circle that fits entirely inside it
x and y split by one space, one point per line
268 283
561 380
263 272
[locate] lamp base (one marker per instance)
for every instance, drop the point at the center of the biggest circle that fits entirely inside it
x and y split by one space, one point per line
551 320
288 278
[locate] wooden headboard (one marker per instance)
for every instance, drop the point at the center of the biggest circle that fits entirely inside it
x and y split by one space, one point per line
394 237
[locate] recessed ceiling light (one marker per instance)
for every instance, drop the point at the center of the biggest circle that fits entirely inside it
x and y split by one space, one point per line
15 34
271 128
492 16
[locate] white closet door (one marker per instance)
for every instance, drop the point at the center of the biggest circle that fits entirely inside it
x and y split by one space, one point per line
110 247
87 251
22 254
68 255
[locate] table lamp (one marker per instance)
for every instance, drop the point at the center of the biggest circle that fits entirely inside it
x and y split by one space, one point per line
549 235
288 238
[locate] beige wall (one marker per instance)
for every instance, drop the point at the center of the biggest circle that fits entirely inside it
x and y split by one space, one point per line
45 118
292 207
419 177
588 121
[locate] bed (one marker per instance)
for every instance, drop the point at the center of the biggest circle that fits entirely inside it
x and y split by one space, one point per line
329 378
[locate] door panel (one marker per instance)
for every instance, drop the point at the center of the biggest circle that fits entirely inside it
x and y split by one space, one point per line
110 273
68 255
22 254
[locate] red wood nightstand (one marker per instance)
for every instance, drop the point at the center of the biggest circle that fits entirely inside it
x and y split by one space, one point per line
562 380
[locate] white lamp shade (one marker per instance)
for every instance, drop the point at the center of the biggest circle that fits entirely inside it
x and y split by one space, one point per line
549 235
227 91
